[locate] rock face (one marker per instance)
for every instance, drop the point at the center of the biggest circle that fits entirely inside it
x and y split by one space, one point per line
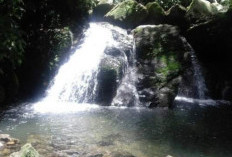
128 14
110 74
113 66
162 58
212 43
26 151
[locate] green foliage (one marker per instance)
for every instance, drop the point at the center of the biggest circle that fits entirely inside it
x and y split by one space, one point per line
60 42
11 41
170 65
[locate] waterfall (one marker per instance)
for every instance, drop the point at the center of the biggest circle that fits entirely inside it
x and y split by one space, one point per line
127 94
199 79
76 80
198 87
104 47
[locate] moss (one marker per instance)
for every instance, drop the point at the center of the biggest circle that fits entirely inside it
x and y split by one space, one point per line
170 65
160 45
127 14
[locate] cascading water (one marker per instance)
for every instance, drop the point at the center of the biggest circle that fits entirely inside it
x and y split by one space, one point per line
199 78
199 85
127 94
76 80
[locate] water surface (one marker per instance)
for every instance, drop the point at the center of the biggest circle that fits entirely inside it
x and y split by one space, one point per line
112 131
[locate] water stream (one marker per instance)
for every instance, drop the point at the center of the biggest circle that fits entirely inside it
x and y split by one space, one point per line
127 93
196 92
76 79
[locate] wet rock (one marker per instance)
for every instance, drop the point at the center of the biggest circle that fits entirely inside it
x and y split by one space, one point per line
26 151
8 145
121 154
127 14
105 143
97 155
113 66
111 71
5 138
113 51
162 58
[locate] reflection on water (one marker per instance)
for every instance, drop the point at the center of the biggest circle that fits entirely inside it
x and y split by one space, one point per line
112 131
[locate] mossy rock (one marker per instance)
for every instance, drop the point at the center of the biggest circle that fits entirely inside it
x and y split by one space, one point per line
200 10
156 13
162 58
109 75
127 14
26 151
102 8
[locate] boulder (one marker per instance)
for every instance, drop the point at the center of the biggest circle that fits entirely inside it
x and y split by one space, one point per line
117 56
156 13
128 14
8 145
176 16
162 59
109 76
200 10
102 8
26 151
